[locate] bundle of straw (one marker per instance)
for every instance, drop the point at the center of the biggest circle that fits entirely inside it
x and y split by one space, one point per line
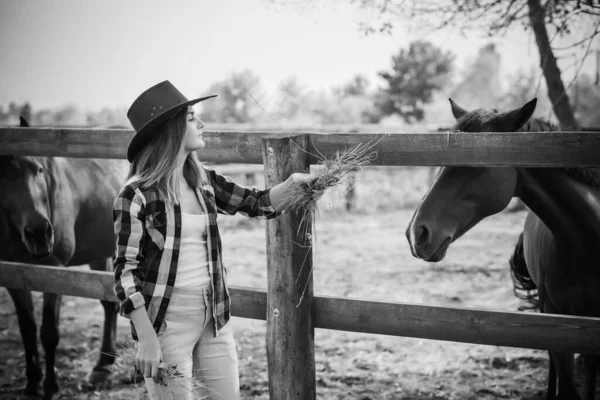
302 199
169 378
335 169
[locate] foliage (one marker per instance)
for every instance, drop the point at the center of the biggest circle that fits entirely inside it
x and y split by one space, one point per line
480 85
522 86
586 101
493 16
358 86
350 103
234 103
521 89
66 115
416 73
293 100
546 19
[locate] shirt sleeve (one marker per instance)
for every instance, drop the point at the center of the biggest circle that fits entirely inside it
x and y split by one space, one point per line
129 260
232 198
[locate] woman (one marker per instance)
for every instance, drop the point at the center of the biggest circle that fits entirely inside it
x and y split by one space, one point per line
169 275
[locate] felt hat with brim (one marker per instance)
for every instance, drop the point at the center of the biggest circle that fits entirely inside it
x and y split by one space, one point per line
153 107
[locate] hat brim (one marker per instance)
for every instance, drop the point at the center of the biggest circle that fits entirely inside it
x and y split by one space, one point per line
145 133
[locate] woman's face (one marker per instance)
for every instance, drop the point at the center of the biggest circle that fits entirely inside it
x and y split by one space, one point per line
193 139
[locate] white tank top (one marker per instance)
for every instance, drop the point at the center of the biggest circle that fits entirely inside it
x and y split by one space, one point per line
192 268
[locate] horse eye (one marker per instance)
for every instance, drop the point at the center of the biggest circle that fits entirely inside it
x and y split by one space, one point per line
41 170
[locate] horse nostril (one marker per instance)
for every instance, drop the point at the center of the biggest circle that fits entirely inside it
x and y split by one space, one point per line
48 230
28 233
422 234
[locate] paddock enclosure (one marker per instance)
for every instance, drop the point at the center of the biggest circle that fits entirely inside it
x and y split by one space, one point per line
288 305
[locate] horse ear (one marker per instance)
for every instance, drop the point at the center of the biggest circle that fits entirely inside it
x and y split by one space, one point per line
519 117
24 123
5 160
457 110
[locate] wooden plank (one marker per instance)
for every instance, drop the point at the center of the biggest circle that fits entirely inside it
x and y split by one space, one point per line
467 325
497 328
290 321
247 302
65 142
225 147
543 149
59 280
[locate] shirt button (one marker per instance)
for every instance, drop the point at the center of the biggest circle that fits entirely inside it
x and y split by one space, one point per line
178 224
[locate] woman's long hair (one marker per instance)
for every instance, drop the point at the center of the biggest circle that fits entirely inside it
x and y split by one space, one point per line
156 165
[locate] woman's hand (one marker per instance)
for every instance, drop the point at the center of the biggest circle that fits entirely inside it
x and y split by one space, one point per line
305 179
280 194
148 356
299 178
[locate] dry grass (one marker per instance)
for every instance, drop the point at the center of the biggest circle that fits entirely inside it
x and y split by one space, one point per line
331 173
168 377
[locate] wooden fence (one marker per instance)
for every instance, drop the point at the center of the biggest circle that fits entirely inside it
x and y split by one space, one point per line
290 329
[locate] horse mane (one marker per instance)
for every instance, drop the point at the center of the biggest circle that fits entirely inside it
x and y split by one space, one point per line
476 120
588 175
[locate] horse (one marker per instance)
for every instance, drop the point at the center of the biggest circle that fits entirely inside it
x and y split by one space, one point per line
58 212
561 233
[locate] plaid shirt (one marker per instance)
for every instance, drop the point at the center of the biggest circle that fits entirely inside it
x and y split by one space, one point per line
148 233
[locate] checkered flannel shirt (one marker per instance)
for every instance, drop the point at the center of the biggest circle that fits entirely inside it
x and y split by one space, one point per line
148 233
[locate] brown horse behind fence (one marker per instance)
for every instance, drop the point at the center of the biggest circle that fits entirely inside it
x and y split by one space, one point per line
561 237
58 211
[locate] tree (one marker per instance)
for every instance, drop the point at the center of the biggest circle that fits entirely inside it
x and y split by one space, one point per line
480 85
346 104
69 115
546 19
358 86
293 100
586 101
234 104
14 109
522 87
26 111
417 72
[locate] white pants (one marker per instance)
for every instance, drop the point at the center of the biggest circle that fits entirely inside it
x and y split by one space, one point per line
188 342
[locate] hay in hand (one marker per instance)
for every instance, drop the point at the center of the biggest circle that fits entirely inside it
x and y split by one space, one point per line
169 378
333 172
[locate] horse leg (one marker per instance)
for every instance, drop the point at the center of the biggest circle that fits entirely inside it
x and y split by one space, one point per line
551 393
564 372
49 335
24 308
100 375
545 305
591 368
561 361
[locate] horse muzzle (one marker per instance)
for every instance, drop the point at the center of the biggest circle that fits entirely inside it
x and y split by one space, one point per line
423 244
39 239
440 253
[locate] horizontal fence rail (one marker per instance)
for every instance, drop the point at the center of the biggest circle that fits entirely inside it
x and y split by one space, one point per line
543 149
513 329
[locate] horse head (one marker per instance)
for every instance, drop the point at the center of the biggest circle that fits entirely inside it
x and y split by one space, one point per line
461 196
25 202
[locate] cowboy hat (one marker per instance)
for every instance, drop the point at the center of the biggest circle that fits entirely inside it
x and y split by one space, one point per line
153 107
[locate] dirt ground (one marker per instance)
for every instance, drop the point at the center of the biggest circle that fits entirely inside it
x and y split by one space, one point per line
361 255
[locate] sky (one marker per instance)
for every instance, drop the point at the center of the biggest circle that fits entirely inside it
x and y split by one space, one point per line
98 54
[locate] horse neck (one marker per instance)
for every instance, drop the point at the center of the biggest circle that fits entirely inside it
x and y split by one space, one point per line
569 208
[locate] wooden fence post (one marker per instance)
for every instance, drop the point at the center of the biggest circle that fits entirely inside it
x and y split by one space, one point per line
290 316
